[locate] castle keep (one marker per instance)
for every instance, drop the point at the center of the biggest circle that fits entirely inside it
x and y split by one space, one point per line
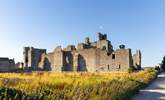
88 56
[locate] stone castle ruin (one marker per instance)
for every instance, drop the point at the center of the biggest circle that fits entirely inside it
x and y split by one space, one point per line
88 56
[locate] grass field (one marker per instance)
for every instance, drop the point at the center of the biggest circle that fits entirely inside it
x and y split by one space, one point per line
73 86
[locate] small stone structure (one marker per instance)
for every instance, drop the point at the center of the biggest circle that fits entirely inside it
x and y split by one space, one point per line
88 56
7 65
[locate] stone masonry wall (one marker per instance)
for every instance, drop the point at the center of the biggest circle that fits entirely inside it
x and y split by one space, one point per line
7 65
88 56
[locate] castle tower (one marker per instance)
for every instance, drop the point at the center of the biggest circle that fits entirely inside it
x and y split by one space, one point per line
103 43
137 59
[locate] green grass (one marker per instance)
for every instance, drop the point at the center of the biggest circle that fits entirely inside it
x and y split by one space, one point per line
73 86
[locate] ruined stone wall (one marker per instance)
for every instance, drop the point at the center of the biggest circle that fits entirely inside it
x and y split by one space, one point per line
7 65
58 62
137 59
75 60
61 60
102 60
68 61
88 56
119 60
91 59
25 56
87 60
36 57
50 57
122 60
42 61
32 57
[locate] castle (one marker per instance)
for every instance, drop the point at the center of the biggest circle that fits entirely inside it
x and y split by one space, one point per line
88 56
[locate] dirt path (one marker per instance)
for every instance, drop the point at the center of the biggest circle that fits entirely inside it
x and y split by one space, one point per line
155 91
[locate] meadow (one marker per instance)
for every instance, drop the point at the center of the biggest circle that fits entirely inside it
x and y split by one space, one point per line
73 86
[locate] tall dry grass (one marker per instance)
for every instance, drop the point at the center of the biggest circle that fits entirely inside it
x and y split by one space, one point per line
73 86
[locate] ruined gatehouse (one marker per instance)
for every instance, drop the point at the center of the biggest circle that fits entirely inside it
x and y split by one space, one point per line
88 56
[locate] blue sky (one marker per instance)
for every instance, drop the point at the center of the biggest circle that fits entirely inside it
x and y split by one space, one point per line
139 24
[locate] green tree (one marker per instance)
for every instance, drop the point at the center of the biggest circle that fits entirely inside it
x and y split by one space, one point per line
163 63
